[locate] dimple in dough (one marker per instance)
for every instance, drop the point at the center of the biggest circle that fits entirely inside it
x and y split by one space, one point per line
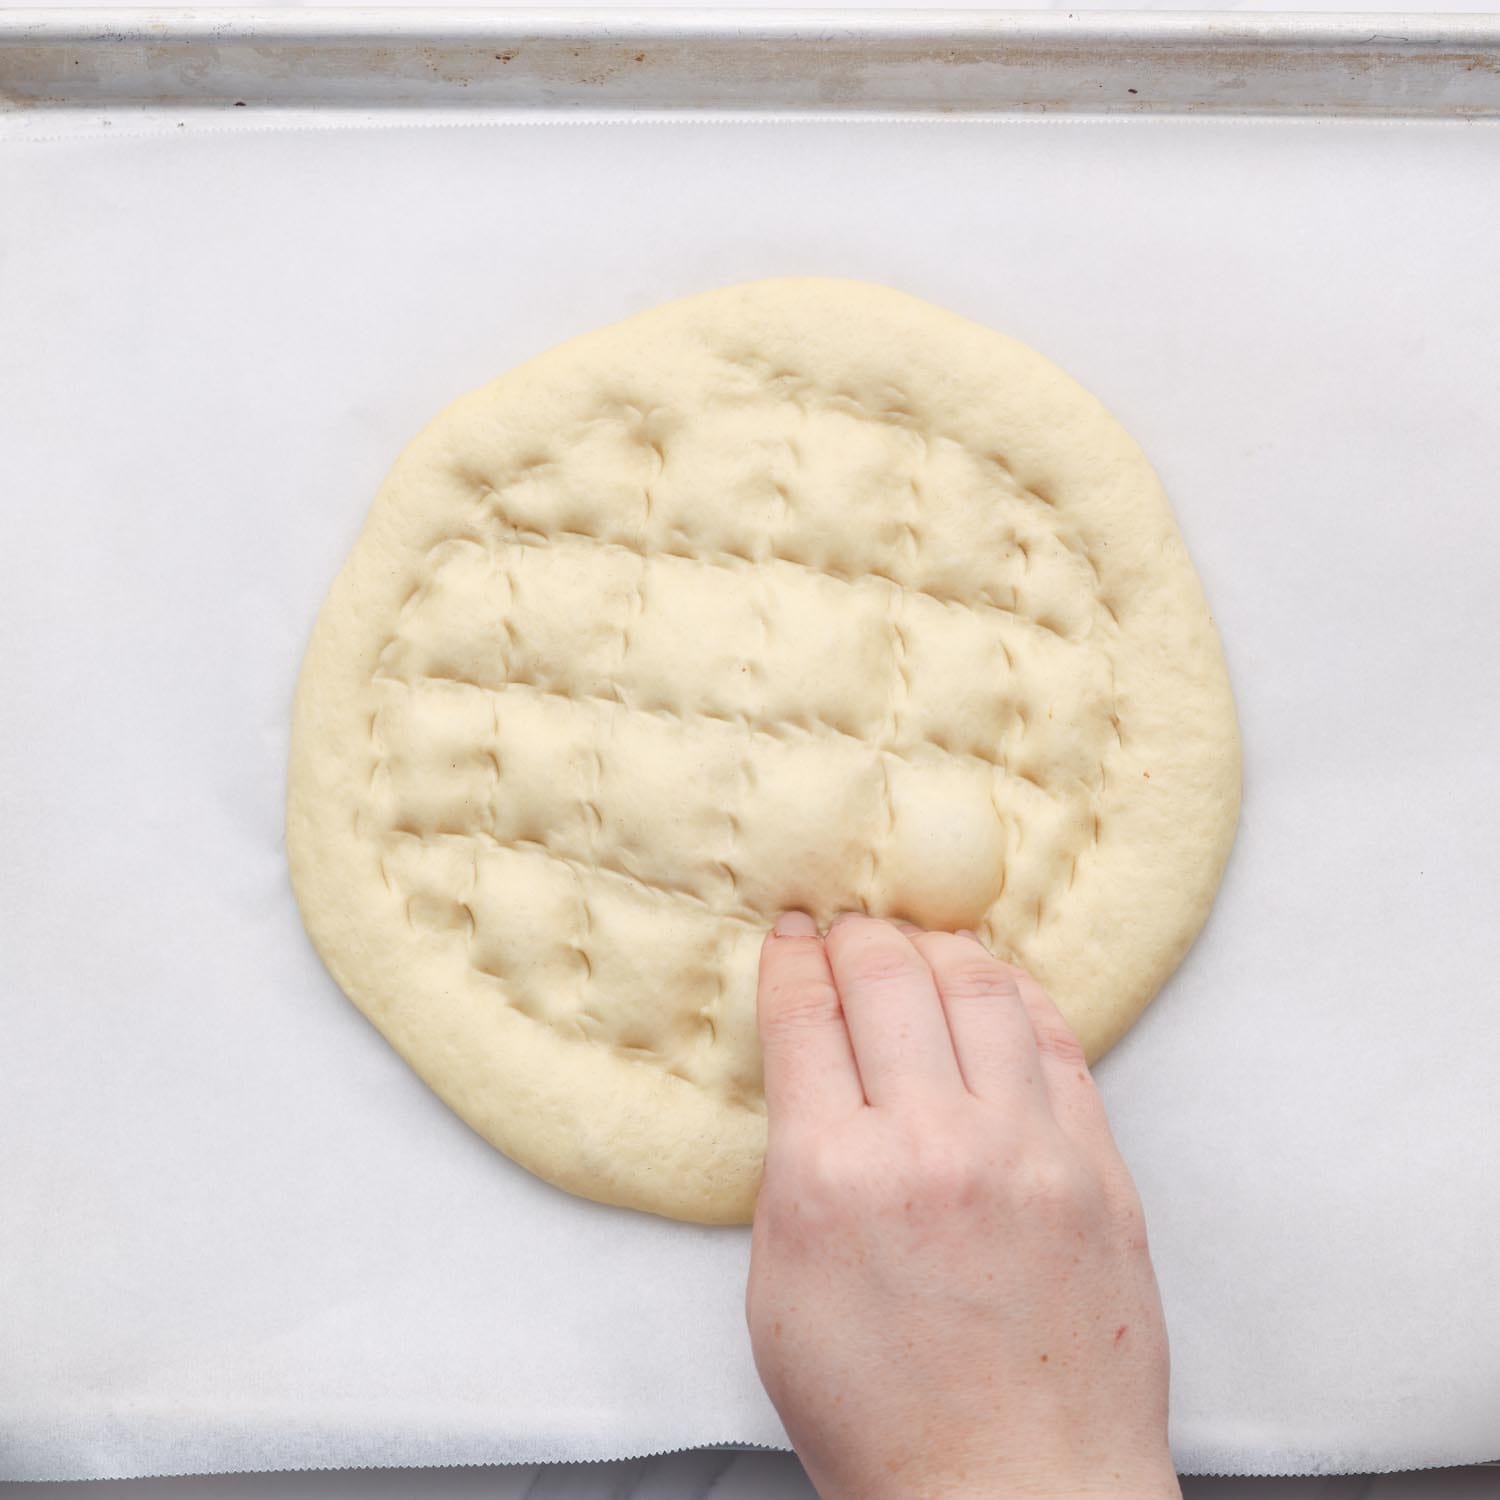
802 593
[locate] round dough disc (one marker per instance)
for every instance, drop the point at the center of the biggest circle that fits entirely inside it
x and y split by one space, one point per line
802 593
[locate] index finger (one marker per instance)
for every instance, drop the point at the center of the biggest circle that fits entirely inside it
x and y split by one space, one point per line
810 1076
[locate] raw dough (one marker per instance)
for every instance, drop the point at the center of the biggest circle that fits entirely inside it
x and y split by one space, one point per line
801 593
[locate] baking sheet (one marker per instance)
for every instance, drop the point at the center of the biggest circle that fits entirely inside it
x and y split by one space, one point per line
236 1233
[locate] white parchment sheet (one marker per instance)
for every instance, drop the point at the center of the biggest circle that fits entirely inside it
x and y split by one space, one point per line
235 1232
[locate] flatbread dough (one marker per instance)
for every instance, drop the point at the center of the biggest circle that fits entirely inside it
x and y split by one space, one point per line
803 594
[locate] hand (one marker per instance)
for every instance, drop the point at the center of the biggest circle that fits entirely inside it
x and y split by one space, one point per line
950 1292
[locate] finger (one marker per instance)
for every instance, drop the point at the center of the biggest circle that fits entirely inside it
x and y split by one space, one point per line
892 1010
991 1029
1070 1086
810 1074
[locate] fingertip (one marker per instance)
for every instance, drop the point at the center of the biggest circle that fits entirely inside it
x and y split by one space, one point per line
794 924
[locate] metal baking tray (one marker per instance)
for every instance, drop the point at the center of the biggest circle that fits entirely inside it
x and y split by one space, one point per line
62 71
896 61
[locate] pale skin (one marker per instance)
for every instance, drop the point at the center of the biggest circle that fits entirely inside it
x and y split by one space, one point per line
950 1290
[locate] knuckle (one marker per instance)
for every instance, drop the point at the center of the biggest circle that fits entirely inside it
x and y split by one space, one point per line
1055 1040
880 967
819 1172
795 1007
971 980
1049 1185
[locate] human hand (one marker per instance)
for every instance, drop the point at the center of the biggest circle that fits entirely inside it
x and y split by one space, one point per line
950 1291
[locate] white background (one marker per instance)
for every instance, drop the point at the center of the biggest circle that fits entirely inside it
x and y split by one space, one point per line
1318 387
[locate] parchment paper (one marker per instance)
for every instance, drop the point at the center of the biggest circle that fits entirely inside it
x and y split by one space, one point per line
235 1232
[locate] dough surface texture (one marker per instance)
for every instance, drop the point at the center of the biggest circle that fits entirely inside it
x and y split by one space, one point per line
801 593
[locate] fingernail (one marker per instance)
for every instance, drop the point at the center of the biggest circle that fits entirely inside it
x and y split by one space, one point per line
795 924
845 916
968 933
909 928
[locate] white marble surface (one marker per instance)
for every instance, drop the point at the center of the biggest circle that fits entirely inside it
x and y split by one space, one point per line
691 1476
